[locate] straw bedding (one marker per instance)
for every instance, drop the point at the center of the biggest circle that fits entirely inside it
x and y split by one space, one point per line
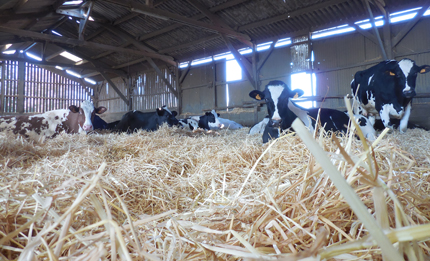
178 195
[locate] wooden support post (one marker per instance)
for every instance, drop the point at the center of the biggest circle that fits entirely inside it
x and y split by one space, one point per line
130 93
21 87
254 67
3 87
375 30
178 87
214 85
386 30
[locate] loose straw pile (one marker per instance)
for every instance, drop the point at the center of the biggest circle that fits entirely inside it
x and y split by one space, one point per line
178 195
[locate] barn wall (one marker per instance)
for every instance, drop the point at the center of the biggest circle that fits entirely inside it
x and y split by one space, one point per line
41 90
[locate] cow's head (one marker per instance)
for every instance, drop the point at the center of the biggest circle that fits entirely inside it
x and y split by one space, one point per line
276 94
165 115
405 74
86 115
193 124
215 121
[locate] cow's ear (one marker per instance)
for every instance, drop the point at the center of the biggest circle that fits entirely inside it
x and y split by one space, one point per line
257 95
425 69
160 111
174 113
296 93
74 108
100 109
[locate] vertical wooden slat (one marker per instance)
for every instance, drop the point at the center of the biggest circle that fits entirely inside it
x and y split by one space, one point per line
3 88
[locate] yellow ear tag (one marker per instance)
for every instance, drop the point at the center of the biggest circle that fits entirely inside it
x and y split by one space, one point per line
258 97
392 74
296 95
423 71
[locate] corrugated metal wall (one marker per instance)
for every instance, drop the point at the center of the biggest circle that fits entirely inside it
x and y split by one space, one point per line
43 90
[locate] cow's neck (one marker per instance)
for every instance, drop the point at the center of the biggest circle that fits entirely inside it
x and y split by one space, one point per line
71 125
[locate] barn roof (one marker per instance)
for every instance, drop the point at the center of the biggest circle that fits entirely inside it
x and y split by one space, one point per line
120 37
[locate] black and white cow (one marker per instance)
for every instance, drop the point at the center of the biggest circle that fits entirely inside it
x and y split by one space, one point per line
189 124
100 124
258 128
283 111
49 124
205 120
150 121
222 123
386 90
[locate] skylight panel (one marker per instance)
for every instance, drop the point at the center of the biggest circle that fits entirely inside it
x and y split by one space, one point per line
71 56
283 42
332 31
9 52
90 81
56 33
184 65
73 73
401 18
77 2
35 57
221 56
201 61
264 46
59 67
245 51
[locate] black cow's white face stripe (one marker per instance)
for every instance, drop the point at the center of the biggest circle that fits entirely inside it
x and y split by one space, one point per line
406 65
275 93
166 109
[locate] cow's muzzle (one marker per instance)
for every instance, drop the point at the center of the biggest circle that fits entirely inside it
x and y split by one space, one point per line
409 94
275 123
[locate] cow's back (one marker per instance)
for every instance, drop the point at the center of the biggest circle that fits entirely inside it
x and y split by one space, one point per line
135 120
48 124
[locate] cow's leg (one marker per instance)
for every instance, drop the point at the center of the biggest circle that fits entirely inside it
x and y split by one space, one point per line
405 119
384 114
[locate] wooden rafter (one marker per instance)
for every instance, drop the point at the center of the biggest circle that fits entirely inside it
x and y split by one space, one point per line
140 46
241 60
165 15
83 23
405 30
216 20
197 17
75 42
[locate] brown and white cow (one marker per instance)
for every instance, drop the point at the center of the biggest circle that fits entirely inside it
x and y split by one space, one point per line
49 124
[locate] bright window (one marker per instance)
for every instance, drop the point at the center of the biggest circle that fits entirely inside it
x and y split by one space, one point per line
233 71
304 82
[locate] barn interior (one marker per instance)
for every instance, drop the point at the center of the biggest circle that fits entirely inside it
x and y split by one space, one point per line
195 56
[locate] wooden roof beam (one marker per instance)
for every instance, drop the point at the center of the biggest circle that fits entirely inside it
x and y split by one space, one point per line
165 15
241 60
216 20
83 22
75 42
197 17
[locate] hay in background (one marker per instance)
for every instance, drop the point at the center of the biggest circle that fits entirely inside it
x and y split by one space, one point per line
178 195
